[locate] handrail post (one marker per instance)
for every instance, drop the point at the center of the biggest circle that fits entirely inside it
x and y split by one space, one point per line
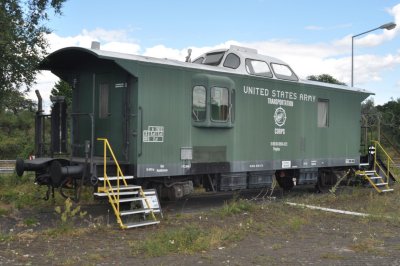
105 164
376 151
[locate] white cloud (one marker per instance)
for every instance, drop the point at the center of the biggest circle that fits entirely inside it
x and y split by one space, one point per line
319 28
306 59
121 47
106 35
313 27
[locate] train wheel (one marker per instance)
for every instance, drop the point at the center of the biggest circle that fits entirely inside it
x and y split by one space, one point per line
326 180
285 181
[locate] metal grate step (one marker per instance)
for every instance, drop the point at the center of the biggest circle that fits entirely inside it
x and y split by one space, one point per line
387 190
132 225
136 211
375 177
124 188
111 178
123 193
369 173
129 199
381 184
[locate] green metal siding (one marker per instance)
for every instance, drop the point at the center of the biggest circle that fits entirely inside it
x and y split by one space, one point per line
158 101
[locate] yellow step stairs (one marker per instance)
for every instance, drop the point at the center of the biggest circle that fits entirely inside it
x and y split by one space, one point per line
383 170
143 203
376 181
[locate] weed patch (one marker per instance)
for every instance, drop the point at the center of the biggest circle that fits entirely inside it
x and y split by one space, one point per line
30 221
69 214
368 245
332 256
235 206
189 239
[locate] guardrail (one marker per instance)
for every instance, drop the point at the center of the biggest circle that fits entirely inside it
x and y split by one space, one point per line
7 166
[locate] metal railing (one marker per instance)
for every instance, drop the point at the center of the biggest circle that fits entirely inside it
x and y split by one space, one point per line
389 164
107 187
7 166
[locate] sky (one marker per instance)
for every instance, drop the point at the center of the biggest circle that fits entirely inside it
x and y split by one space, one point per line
313 37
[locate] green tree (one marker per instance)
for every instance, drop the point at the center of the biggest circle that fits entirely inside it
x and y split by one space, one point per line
62 88
390 119
325 78
23 41
15 102
16 134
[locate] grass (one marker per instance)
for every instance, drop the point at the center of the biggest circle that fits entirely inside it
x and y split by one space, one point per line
235 206
20 192
197 235
332 256
222 227
188 239
368 245
360 199
30 221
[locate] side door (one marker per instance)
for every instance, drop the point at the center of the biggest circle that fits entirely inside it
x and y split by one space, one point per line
112 113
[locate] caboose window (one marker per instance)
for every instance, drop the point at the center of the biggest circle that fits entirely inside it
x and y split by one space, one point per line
323 113
219 104
258 68
284 72
232 61
198 60
103 101
199 103
213 59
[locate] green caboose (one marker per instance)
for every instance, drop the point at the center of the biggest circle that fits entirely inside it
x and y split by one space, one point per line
231 119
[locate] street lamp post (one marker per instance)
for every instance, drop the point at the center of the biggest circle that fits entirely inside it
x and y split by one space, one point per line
387 26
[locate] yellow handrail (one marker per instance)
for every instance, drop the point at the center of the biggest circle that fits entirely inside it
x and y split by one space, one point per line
114 196
389 161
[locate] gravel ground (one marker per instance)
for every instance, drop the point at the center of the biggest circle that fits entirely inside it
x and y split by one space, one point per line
284 235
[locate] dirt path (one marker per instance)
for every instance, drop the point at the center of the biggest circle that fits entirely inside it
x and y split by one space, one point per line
277 235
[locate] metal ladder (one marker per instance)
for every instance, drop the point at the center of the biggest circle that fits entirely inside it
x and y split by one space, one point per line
142 202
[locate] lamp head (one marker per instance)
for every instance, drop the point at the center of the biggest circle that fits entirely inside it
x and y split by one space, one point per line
388 26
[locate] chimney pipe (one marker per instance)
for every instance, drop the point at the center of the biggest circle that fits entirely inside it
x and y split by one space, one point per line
95 45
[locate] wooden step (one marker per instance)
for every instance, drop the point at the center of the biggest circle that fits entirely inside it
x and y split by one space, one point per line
144 223
112 178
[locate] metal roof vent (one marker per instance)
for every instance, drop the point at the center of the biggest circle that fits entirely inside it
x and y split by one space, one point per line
95 45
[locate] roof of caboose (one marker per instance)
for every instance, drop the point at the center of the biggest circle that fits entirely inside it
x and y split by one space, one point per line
70 57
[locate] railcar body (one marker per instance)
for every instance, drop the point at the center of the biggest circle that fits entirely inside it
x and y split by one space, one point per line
230 119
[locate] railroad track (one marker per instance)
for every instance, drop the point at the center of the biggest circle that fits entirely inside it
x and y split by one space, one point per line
7 166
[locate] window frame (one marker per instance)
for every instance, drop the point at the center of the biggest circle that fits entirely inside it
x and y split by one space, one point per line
205 103
104 95
228 106
320 123
210 121
251 70
292 77
232 67
214 63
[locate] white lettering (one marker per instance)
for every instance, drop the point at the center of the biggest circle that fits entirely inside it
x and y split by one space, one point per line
279 97
255 91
